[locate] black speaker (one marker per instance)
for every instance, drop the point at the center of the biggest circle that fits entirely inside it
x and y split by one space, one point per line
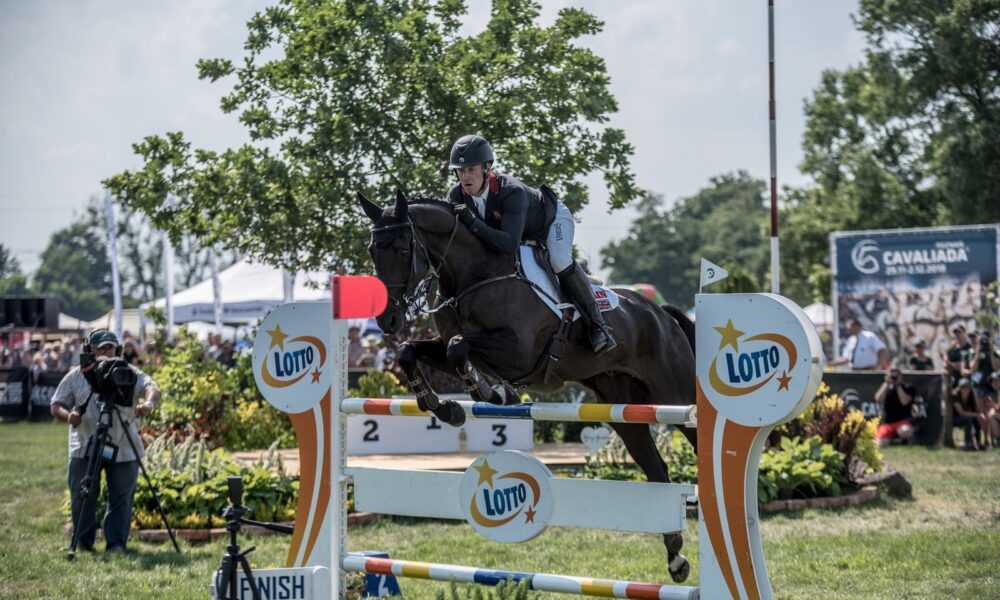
36 312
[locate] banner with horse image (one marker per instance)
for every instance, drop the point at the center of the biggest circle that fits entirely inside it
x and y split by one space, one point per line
904 284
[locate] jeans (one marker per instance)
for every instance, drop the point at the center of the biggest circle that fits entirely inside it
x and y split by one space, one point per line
970 424
120 479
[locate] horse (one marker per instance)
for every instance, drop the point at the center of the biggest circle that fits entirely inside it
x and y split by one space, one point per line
490 319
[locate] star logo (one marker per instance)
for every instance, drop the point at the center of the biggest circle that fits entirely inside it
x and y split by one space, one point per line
486 473
529 516
277 337
783 381
730 336
315 376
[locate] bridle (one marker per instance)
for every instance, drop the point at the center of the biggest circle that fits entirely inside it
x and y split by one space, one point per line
412 303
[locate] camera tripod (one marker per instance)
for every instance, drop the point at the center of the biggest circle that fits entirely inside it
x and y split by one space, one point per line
99 451
227 577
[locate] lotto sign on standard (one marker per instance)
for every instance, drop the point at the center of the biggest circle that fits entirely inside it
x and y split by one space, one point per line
506 496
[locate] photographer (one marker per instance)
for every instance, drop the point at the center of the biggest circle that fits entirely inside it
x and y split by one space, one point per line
896 398
70 404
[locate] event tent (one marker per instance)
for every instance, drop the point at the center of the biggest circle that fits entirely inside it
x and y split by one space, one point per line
821 315
248 292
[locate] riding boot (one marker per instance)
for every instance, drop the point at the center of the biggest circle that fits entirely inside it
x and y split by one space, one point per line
576 283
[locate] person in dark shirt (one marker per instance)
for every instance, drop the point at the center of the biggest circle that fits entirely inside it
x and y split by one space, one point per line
920 361
503 212
958 353
964 413
896 398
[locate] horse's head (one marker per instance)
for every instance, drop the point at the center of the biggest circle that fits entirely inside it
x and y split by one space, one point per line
401 262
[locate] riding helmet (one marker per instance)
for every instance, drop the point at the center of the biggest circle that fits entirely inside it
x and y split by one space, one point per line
470 150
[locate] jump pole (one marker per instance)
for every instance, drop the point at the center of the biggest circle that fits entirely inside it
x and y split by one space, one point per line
760 365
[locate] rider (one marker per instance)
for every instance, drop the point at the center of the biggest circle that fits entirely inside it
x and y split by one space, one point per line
502 211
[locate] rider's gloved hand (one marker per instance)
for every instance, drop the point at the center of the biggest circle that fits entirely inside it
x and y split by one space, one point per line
464 214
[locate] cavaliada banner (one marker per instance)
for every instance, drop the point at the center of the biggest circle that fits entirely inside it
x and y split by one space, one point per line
905 284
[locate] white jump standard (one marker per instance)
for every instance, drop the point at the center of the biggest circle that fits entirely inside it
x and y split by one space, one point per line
511 497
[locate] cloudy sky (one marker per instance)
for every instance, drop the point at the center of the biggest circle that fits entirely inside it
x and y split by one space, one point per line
83 80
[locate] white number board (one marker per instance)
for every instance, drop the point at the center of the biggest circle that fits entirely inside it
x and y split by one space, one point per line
384 434
490 435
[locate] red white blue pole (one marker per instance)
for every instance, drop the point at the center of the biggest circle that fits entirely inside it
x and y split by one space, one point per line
775 274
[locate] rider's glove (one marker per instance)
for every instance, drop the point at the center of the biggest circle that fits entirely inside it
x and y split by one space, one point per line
464 214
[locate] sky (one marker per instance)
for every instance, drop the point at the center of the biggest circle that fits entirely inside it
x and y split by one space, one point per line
81 81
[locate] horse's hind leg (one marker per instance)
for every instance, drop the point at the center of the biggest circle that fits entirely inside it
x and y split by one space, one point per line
638 440
477 385
432 354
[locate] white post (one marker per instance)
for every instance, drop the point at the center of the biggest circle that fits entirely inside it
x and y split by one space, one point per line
338 441
216 290
113 258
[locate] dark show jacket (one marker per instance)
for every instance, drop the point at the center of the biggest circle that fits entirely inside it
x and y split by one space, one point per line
514 212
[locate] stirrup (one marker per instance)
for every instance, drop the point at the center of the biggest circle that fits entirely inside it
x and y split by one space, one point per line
609 340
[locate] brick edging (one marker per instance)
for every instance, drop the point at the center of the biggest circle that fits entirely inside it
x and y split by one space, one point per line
862 496
204 535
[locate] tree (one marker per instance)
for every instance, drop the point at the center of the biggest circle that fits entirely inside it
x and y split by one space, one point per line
725 222
75 269
908 138
350 95
12 281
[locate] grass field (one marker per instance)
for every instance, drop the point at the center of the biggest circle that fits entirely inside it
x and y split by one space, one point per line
943 544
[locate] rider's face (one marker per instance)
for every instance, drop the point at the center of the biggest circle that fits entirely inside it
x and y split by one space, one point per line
471 179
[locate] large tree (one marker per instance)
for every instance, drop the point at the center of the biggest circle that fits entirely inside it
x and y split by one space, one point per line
75 269
352 95
909 137
725 222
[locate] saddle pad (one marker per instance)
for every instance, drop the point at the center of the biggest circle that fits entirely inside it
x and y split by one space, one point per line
606 298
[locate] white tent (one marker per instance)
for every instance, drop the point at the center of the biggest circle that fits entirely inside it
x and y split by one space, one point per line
821 315
248 292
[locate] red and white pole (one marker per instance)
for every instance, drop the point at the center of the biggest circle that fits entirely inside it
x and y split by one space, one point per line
775 274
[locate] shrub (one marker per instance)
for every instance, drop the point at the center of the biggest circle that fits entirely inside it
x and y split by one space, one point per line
191 479
808 468
377 384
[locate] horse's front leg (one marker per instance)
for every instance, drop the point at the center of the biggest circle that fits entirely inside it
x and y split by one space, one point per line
475 383
431 353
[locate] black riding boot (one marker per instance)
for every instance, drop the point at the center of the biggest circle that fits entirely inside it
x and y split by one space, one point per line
574 280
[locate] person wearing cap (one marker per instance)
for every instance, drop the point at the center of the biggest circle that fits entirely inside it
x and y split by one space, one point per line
896 398
920 361
67 405
965 414
863 350
502 211
958 353
369 359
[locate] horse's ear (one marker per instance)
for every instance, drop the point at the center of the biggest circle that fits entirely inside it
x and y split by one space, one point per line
374 211
401 204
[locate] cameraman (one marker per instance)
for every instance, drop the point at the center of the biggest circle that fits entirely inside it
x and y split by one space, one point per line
76 403
896 398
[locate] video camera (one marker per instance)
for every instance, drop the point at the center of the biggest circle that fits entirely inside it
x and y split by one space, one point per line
110 377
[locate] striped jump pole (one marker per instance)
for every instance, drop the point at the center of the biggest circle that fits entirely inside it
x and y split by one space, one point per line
537 411
542 582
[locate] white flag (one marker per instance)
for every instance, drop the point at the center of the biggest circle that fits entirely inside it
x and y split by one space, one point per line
710 273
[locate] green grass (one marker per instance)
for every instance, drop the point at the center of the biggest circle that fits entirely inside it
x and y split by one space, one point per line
943 544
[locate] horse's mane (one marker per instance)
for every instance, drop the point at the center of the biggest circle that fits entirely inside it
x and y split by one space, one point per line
430 201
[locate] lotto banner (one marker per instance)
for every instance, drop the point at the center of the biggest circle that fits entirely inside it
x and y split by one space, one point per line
909 283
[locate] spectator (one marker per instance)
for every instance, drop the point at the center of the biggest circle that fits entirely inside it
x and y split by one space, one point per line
214 345
51 355
982 363
896 398
130 354
369 359
70 355
355 349
992 413
36 364
965 414
153 356
958 353
920 361
863 350
226 356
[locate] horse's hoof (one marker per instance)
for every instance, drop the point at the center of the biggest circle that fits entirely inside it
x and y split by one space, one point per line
450 413
679 568
504 394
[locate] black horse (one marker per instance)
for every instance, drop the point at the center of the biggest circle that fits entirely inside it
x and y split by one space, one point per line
491 320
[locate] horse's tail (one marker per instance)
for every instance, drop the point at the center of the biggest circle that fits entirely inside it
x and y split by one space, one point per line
687 325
